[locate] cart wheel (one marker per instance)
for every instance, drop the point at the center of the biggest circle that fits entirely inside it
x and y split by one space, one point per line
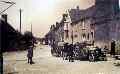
91 58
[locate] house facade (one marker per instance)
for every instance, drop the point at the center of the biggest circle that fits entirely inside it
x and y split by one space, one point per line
98 24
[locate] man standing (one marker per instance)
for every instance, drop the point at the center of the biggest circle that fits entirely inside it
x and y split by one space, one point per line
65 51
70 53
112 52
30 52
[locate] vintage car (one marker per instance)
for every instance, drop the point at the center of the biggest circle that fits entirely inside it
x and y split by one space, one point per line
60 47
96 54
80 51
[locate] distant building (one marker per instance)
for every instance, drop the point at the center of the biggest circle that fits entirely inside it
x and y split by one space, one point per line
56 33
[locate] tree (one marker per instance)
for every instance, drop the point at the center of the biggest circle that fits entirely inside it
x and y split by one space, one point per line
28 38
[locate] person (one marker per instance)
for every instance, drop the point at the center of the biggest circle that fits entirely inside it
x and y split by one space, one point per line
30 52
92 56
98 53
104 52
105 49
52 47
65 51
112 52
71 53
99 50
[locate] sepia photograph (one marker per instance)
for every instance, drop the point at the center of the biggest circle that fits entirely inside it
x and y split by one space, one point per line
59 36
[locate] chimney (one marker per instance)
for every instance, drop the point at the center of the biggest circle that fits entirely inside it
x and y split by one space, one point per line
77 8
4 17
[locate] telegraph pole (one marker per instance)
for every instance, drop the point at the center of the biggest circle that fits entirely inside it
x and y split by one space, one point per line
31 28
31 31
20 18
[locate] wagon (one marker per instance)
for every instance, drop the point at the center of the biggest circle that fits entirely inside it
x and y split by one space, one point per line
80 51
96 55
91 53
60 47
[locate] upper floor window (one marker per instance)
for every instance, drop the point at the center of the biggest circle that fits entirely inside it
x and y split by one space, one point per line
66 34
88 36
92 34
84 35
76 35
92 26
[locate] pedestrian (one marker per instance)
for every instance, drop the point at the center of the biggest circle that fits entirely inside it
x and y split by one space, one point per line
105 49
104 53
65 51
112 52
71 53
53 47
30 52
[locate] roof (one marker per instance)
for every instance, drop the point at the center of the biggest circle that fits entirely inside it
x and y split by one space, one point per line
76 14
95 12
7 27
9 35
89 12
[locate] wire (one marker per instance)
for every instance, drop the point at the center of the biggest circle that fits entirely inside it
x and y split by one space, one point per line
8 2
5 9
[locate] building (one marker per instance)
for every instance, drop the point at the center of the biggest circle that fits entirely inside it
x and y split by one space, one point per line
78 27
9 36
99 24
56 33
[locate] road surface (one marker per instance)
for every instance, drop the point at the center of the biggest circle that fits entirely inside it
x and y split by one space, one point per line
45 63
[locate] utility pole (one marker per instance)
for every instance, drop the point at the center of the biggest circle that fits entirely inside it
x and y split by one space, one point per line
31 28
20 18
31 31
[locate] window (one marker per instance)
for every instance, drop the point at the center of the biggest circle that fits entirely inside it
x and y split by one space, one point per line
92 34
84 35
76 35
88 36
66 34
92 26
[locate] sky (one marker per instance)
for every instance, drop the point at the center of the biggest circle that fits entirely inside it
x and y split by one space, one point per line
40 13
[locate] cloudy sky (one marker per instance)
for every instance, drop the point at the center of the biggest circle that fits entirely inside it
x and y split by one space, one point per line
40 13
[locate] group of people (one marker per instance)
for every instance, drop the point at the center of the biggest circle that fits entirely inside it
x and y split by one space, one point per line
99 54
67 52
72 52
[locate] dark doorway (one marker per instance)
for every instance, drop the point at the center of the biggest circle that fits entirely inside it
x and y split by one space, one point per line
112 52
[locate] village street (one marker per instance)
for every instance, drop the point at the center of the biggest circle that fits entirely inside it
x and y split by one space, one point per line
45 63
